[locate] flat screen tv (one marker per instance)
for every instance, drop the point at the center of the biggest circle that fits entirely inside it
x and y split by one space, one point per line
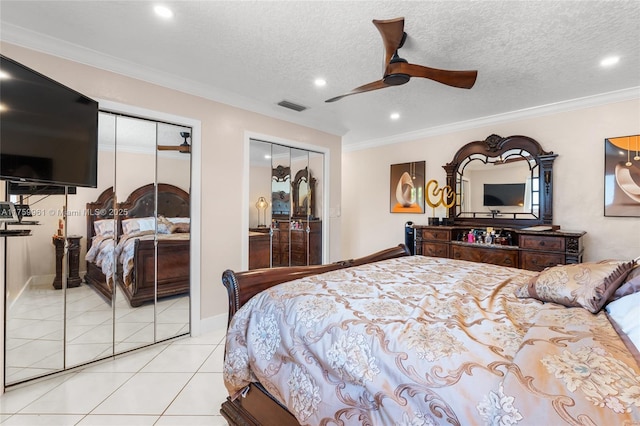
48 132
503 194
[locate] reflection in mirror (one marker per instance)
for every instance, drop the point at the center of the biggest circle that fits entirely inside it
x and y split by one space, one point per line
135 168
294 178
173 233
299 221
280 204
260 187
280 181
89 315
502 181
34 308
301 187
103 262
316 170
498 186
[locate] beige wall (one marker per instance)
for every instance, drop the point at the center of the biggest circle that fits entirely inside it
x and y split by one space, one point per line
222 151
576 136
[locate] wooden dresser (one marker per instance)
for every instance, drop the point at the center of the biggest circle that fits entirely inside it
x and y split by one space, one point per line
532 250
259 248
295 246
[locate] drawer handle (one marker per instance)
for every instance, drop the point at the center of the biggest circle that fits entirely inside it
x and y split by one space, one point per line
542 243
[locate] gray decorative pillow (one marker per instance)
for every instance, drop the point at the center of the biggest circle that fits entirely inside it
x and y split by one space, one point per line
587 285
630 285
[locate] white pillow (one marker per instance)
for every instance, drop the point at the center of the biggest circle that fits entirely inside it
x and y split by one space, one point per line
179 219
626 313
103 227
140 224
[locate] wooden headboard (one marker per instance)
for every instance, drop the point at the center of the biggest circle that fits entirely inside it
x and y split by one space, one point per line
102 208
172 202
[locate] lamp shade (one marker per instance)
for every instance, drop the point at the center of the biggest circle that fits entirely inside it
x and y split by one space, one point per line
262 203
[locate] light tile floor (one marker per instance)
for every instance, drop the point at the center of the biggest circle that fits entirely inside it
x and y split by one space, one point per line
178 382
36 328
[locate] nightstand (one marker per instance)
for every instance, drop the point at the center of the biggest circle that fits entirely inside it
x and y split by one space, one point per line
73 276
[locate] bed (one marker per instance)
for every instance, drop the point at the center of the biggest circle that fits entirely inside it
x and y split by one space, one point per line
394 339
133 268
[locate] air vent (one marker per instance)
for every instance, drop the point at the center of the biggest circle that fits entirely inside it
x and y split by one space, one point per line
292 106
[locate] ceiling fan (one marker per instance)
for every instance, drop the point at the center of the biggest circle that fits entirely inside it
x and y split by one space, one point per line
398 71
184 147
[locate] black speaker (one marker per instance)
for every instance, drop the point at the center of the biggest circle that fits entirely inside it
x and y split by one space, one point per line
409 237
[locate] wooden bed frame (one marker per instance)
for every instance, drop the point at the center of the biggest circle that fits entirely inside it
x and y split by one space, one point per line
173 256
256 406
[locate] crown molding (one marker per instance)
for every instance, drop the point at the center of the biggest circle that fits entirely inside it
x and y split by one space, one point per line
70 51
632 93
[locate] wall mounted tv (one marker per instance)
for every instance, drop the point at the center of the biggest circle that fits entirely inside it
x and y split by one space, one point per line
48 132
503 194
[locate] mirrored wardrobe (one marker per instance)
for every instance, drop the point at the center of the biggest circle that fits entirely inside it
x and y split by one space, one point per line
286 201
102 270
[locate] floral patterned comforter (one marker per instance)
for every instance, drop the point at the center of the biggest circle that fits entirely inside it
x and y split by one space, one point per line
422 341
103 251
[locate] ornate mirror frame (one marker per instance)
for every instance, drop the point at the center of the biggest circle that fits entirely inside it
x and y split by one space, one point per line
300 208
493 147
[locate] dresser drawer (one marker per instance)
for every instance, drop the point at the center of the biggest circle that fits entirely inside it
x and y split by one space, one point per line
534 242
495 256
435 249
435 234
298 258
298 236
534 261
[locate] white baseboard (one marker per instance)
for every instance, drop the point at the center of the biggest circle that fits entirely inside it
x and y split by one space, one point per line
216 322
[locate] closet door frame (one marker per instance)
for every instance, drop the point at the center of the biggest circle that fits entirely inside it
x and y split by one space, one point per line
247 203
195 194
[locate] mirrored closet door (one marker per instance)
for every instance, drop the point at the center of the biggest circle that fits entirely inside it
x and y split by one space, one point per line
286 193
104 270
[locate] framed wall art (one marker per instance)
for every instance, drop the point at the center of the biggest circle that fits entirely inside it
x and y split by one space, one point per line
406 188
622 176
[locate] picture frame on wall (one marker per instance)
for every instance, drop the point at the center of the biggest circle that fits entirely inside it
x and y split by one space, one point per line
406 187
622 176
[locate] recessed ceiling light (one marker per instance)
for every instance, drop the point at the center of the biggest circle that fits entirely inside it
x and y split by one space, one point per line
267 156
611 60
163 12
320 82
394 115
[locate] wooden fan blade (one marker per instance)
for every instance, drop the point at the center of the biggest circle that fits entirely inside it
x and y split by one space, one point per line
392 32
364 88
462 79
180 148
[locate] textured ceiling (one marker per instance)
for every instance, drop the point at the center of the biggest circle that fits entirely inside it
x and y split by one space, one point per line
255 54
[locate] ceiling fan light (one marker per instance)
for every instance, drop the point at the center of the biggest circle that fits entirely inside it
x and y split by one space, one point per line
163 12
610 61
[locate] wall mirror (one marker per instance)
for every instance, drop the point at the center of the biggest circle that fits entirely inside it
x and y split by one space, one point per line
303 194
502 181
291 179
280 181
108 289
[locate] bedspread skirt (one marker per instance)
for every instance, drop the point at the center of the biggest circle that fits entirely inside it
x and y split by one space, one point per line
422 341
